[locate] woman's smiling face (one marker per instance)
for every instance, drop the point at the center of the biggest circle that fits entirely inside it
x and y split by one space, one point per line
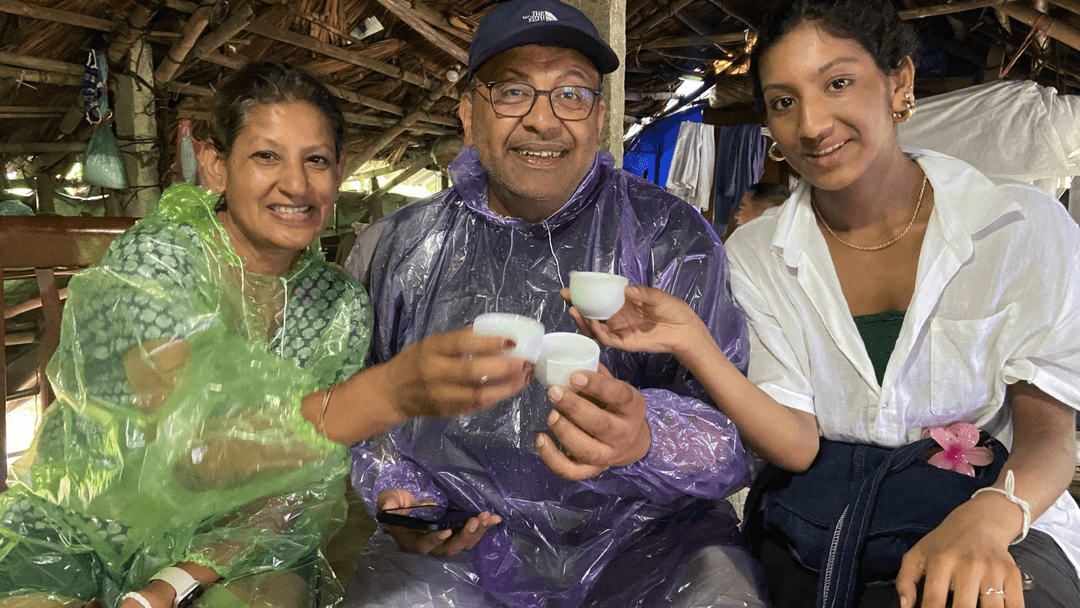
280 180
828 105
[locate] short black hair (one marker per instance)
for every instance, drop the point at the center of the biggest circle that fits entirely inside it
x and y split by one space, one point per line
873 24
769 190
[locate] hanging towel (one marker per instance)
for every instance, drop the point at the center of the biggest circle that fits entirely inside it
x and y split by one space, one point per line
691 176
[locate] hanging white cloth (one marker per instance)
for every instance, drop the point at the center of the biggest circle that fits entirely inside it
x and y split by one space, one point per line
1008 130
692 164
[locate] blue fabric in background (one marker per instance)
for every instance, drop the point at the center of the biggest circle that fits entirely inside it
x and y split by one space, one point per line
740 162
655 144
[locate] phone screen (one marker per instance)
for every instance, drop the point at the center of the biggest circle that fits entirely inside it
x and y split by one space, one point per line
425 517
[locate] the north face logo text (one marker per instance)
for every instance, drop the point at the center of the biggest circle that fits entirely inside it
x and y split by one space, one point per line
540 16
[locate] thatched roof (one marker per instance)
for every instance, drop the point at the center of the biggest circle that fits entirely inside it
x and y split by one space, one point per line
394 82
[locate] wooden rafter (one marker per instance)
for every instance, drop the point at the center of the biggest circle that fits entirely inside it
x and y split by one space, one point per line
354 57
437 19
660 17
22 9
414 20
1054 28
667 43
190 33
948 9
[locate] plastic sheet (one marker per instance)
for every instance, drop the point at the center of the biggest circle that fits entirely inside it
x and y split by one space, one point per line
442 262
176 432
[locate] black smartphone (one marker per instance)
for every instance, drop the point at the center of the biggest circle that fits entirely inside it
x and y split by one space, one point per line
429 518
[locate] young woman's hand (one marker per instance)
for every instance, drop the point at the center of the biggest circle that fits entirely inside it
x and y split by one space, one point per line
967 555
649 321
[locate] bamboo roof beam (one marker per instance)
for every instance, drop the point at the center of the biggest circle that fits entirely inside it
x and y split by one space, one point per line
22 9
232 26
42 148
1054 28
189 35
414 168
364 100
660 17
437 19
129 32
30 112
1072 5
667 43
412 18
384 139
45 65
38 76
354 57
948 9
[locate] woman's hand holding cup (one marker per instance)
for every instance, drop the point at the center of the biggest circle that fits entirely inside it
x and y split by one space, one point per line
456 373
650 320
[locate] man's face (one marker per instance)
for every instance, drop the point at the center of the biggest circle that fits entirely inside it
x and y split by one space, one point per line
534 162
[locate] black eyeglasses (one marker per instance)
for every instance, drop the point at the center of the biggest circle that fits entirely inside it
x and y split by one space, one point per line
516 99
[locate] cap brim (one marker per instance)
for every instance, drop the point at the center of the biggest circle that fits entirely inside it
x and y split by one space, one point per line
556 34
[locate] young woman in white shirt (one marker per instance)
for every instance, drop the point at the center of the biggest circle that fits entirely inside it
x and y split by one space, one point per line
894 292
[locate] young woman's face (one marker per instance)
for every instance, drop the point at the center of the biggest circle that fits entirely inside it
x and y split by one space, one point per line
829 106
281 181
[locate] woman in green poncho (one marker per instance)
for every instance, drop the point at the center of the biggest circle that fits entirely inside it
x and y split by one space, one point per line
207 384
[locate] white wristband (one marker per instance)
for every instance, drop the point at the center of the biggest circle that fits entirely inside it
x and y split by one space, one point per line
1010 485
138 597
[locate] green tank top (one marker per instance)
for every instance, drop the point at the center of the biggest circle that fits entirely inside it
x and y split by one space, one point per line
879 334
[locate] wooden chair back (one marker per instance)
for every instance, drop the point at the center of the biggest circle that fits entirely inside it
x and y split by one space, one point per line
44 247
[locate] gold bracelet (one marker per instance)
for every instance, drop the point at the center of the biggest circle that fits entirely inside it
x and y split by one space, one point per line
325 404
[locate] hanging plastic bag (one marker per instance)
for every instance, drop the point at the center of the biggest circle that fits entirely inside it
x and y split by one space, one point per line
186 148
103 164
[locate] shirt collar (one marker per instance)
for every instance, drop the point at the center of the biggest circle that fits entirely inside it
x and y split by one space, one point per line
952 180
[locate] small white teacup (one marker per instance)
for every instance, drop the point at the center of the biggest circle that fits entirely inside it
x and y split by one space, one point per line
598 295
563 354
527 334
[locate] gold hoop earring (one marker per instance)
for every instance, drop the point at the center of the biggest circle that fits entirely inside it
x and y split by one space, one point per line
775 154
907 112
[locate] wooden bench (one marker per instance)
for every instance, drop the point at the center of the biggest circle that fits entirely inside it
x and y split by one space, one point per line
42 248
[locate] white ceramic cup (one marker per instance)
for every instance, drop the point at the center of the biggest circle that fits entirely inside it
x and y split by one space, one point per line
527 334
563 354
597 295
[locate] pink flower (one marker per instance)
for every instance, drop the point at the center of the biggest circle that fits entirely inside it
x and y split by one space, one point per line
958 451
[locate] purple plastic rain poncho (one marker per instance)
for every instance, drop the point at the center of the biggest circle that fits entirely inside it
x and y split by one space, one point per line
443 261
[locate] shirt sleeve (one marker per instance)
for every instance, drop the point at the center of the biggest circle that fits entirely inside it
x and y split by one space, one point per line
1046 349
773 364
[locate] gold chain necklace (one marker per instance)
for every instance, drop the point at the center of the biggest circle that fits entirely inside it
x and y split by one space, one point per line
911 222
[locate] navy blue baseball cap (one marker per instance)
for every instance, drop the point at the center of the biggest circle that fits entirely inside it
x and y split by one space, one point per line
544 22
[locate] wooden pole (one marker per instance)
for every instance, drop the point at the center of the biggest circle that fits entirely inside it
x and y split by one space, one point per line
129 32
1072 5
232 26
180 49
437 19
373 148
329 50
409 171
46 65
22 9
660 17
1054 28
948 9
409 16
667 43
27 75
136 122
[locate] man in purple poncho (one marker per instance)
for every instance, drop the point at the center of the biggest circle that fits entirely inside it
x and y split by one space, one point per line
607 496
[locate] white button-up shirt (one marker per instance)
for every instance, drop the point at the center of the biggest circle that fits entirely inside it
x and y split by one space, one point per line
996 301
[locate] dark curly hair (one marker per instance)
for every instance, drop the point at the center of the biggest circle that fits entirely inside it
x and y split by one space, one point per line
268 82
874 24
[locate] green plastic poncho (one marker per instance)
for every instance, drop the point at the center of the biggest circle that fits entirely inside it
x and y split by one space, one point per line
176 433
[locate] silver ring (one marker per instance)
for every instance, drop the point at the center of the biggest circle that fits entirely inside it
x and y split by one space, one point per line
483 380
992 591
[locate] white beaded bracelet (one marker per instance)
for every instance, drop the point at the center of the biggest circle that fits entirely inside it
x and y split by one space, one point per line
138 597
1010 485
